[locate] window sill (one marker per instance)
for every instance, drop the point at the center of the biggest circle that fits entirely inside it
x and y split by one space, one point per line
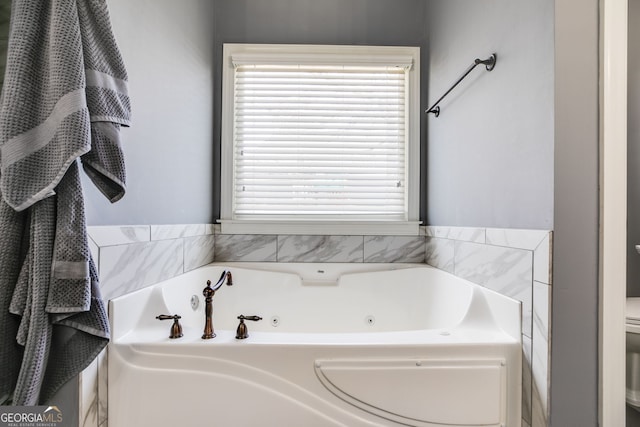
332 228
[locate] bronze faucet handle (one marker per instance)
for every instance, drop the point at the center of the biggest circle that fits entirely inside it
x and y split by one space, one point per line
254 318
242 332
168 316
176 328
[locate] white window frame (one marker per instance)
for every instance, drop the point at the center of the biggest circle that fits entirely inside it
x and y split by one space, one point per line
328 55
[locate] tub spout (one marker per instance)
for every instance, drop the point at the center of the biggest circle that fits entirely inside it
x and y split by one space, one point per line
208 293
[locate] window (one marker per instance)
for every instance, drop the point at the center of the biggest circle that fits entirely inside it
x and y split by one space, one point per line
320 139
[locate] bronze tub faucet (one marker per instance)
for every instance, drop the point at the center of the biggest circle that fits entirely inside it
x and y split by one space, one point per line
208 293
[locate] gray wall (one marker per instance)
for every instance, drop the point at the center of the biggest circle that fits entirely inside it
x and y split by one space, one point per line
359 22
485 167
168 49
490 158
574 347
633 152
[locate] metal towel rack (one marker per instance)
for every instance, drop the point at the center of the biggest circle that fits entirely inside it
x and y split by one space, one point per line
489 63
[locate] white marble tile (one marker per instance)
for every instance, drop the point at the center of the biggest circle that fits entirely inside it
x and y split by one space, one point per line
95 253
538 418
246 247
540 354
198 251
209 228
217 228
525 424
126 268
466 234
164 232
440 253
514 238
103 388
526 379
88 395
111 235
542 256
504 270
394 249
320 248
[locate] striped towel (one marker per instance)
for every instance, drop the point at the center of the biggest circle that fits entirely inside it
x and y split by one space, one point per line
63 102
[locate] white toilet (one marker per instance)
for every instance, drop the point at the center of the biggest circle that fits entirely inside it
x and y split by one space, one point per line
633 353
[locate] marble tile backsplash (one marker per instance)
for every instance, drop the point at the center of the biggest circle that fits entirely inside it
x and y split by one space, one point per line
502 269
328 248
516 263
126 268
300 248
394 249
133 257
248 248
198 251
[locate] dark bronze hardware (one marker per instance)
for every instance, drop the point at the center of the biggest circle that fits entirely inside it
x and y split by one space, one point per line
489 65
242 332
208 294
176 328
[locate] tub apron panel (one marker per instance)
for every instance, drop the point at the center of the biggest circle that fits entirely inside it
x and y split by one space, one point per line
421 391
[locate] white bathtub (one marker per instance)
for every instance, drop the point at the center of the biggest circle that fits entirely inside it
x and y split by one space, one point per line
339 345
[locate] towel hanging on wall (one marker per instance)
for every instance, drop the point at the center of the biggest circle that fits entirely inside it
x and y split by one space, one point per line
64 99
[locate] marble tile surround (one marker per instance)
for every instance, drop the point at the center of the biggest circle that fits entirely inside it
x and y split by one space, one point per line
300 248
133 257
130 258
516 263
513 262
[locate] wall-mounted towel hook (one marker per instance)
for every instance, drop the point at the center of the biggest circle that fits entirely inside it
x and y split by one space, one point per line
489 64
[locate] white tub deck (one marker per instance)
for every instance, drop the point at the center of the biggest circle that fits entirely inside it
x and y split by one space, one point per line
439 350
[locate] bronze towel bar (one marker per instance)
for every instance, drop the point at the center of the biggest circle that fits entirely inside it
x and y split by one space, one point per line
489 64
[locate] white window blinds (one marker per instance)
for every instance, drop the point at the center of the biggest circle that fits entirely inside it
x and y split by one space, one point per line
319 141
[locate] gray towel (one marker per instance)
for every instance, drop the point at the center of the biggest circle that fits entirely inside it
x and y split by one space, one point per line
5 11
64 100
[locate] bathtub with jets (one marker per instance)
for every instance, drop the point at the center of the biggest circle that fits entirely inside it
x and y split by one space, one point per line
337 345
